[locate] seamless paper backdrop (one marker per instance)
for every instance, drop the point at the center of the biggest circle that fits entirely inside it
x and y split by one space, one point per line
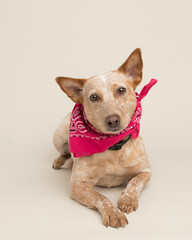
40 40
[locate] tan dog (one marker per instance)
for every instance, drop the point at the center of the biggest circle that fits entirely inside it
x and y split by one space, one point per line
109 102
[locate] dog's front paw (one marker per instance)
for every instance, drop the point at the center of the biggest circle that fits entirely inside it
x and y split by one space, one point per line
112 216
58 162
128 202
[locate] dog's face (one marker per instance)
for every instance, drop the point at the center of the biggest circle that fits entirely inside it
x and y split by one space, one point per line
109 99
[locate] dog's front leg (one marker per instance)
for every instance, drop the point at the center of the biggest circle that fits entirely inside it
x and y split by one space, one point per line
111 216
129 200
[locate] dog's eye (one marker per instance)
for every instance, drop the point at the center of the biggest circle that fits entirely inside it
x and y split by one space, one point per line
121 90
94 97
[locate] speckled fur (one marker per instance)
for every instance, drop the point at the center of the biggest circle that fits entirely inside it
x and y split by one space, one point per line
110 168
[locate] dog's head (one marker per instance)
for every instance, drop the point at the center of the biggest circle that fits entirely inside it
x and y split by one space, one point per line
109 99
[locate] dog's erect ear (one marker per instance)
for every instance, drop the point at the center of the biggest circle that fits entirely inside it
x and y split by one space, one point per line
133 67
73 87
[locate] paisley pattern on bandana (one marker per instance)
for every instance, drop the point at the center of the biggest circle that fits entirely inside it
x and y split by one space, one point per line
85 140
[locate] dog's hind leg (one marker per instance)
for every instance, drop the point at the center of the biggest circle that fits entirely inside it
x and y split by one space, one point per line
60 161
61 142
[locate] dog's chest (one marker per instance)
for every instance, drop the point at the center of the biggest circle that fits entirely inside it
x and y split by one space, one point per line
120 162
112 168
118 167
124 158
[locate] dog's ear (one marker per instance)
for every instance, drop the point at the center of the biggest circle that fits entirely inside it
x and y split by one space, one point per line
73 87
133 67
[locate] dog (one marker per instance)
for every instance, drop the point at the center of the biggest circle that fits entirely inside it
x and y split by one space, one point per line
109 101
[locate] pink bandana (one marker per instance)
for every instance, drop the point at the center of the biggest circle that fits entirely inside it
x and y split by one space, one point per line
85 140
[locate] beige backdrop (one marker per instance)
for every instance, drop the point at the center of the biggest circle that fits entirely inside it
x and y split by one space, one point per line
40 40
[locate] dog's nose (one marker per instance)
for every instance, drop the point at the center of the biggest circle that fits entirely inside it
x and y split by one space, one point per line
113 121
